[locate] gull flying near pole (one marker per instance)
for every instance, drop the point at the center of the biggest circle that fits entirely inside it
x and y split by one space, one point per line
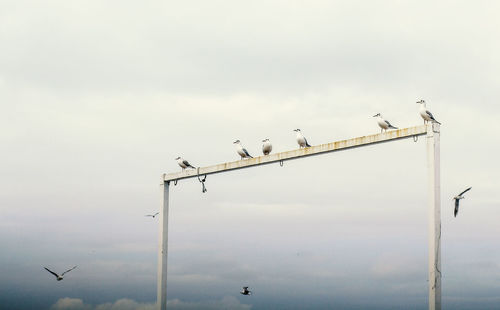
301 140
153 215
457 200
267 147
384 124
245 291
426 114
183 163
241 150
59 277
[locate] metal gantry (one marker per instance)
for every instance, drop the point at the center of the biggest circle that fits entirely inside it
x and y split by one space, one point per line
432 133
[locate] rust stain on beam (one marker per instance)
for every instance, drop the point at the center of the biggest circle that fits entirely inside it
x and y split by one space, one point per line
299 153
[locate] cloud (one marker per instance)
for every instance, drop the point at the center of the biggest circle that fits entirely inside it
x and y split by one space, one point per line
227 302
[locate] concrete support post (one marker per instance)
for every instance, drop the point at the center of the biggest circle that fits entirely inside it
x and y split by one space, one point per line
434 183
163 250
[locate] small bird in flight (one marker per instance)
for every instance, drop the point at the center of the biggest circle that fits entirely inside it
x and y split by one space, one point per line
183 163
301 140
426 114
457 200
153 215
245 291
384 124
59 277
241 150
267 147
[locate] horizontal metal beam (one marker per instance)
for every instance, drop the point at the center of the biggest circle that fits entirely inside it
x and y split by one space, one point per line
299 153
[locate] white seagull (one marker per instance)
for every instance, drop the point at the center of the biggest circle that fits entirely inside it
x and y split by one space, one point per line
59 277
267 147
426 114
241 150
384 124
153 215
457 200
183 163
301 140
245 291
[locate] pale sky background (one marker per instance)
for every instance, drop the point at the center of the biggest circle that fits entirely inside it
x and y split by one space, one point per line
98 98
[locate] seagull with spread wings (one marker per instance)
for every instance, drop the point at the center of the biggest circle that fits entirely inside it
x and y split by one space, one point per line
59 277
153 215
457 200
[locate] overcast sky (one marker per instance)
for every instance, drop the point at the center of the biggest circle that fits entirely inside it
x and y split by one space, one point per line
98 98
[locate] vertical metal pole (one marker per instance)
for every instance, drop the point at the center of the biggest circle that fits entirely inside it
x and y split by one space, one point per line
163 251
433 164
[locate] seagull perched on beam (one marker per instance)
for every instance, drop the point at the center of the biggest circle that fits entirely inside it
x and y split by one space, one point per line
153 215
59 277
301 140
267 147
245 291
184 163
241 150
426 114
457 199
384 124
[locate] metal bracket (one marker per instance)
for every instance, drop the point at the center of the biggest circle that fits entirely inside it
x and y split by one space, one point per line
202 181
281 163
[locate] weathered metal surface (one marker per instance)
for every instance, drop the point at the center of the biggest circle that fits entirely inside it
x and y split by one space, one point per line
299 153
163 250
434 185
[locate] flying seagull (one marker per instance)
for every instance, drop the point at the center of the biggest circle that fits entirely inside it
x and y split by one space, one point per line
384 124
245 291
457 200
426 114
183 163
153 215
241 150
59 277
301 140
267 147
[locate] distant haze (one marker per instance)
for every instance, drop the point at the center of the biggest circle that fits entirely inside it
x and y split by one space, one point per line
99 97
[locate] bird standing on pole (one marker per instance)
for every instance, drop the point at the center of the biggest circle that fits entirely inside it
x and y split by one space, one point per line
241 150
267 147
183 163
301 140
384 124
426 114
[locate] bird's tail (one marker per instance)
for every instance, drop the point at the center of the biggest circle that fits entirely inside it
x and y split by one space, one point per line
308 145
436 122
192 167
250 156
393 127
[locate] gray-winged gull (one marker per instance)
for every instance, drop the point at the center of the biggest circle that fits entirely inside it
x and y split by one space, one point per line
59 277
241 150
426 114
457 200
301 140
267 147
183 163
384 124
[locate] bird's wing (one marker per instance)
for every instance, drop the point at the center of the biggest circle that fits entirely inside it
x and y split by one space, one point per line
465 191
156 213
62 274
55 274
307 143
148 215
185 162
245 287
246 152
457 201
430 114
